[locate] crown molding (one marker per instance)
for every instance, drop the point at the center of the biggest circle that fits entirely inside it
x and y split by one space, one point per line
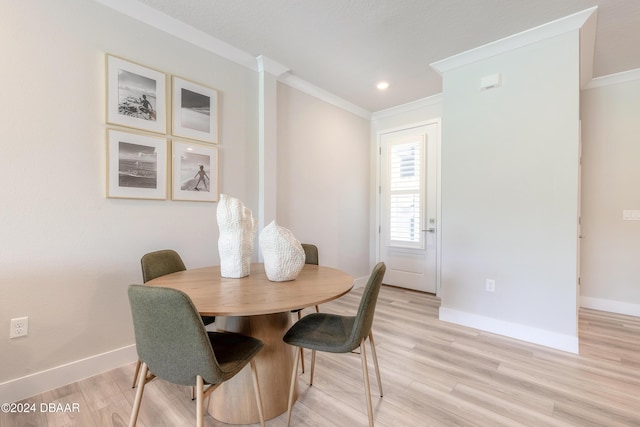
542 32
611 79
179 29
306 87
261 63
409 106
266 64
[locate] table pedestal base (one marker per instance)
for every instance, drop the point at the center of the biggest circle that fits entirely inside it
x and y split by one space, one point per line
234 401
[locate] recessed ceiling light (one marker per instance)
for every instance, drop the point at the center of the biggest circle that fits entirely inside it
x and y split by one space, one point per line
382 85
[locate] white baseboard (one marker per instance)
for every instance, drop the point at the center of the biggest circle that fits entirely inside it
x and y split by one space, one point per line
610 305
39 382
513 330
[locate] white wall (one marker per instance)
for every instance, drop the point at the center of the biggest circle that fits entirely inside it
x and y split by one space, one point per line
510 193
610 263
323 179
67 253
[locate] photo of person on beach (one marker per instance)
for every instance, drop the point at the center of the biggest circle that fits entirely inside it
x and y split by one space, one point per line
195 173
136 95
201 175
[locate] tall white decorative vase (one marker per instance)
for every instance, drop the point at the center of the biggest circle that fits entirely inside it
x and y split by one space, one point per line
237 234
282 252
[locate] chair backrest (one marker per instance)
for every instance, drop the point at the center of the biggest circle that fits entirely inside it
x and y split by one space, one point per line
170 336
310 253
366 310
160 263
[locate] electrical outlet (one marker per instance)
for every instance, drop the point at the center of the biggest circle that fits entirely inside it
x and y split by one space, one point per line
490 285
19 327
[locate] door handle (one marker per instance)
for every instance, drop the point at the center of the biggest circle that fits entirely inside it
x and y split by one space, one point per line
430 230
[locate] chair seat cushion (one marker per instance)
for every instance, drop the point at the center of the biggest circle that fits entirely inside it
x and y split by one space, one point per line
233 351
207 320
323 332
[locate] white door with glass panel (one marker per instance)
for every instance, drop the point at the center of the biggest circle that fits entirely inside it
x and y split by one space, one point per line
408 207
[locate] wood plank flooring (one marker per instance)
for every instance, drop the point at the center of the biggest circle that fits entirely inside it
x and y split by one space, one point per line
433 374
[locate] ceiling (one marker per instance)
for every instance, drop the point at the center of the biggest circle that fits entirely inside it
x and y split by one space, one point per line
346 46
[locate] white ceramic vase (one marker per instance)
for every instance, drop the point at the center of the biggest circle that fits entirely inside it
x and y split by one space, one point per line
237 234
282 252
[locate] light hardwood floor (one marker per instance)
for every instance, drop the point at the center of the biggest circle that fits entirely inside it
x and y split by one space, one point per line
433 373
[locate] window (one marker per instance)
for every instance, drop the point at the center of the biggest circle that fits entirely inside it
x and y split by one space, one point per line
406 172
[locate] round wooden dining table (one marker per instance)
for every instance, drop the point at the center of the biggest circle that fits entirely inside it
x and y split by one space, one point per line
255 306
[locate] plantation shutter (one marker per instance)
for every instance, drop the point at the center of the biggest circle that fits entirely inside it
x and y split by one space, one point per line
406 171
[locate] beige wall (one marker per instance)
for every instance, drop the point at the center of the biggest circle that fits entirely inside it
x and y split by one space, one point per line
323 178
610 184
67 253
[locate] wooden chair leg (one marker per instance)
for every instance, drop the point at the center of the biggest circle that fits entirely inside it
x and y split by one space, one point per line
375 361
365 376
313 365
292 386
199 401
301 349
256 387
142 379
135 374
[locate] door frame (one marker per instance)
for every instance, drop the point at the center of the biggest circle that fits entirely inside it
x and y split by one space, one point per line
378 192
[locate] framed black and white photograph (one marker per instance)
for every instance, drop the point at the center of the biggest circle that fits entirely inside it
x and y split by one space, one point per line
136 166
194 172
195 111
136 96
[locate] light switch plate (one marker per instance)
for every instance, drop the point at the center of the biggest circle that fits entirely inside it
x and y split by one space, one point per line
631 215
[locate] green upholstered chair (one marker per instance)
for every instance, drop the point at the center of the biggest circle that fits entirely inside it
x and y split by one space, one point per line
311 257
174 345
310 253
339 334
161 263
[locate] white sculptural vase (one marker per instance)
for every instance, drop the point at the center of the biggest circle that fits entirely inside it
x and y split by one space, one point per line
282 252
237 234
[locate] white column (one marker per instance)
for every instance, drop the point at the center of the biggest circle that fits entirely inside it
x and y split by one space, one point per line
268 72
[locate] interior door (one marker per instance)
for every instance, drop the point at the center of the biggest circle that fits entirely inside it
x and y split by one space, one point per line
408 207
